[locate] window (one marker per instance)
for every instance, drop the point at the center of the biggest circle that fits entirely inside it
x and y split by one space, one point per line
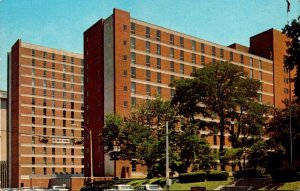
33 101
221 53
158 49
147 32
286 90
32 110
44 54
53 131
53 65
133 87
213 60
125 104
124 42
148 61
148 90
33 160
125 58
125 88
213 51
193 69
148 75
159 91
33 71
251 62
181 69
148 47
181 55
44 121
132 58
72 60
193 45
260 75
202 60
45 111
64 58
124 27
158 77
72 69
182 42
172 66
286 80
33 62
215 140
171 39
53 56
242 58
231 56
132 43
202 48
132 28
133 102
158 35
133 72
172 93
259 64
33 82
172 78
125 73
53 152
171 52
193 58
251 73
158 63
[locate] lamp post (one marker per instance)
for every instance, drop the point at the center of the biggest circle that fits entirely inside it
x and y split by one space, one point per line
91 150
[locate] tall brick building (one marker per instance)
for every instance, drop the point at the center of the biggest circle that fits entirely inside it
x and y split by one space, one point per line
128 60
45 94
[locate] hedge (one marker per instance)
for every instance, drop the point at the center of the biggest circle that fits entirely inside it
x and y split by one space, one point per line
285 175
198 176
248 173
217 175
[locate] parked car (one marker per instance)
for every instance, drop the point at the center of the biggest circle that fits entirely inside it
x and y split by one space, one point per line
58 188
119 187
149 187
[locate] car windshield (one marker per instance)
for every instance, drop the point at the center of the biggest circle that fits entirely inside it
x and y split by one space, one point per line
154 187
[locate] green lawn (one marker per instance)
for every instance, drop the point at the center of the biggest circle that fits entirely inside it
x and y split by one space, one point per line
282 186
209 185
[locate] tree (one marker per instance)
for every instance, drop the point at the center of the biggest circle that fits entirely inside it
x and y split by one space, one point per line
194 151
292 59
279 131
142 135
220 90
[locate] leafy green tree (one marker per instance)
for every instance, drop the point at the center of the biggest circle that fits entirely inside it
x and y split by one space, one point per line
292 59
219 91
142 135
279 131
194 150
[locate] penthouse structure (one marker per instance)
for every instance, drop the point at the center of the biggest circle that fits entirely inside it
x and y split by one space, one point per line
128 61
45 100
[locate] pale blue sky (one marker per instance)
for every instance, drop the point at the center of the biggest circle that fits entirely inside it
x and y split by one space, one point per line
60 23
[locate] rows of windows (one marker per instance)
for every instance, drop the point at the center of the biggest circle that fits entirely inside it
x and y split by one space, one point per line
53 57
193 43
54 171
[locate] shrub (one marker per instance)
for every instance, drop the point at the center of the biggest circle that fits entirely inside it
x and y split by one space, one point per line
248 173
217 175
285 175
198 176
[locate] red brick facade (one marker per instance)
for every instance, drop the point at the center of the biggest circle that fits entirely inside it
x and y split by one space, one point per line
144 59
46 100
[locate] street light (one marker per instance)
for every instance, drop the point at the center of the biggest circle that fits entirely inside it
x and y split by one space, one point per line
91 149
